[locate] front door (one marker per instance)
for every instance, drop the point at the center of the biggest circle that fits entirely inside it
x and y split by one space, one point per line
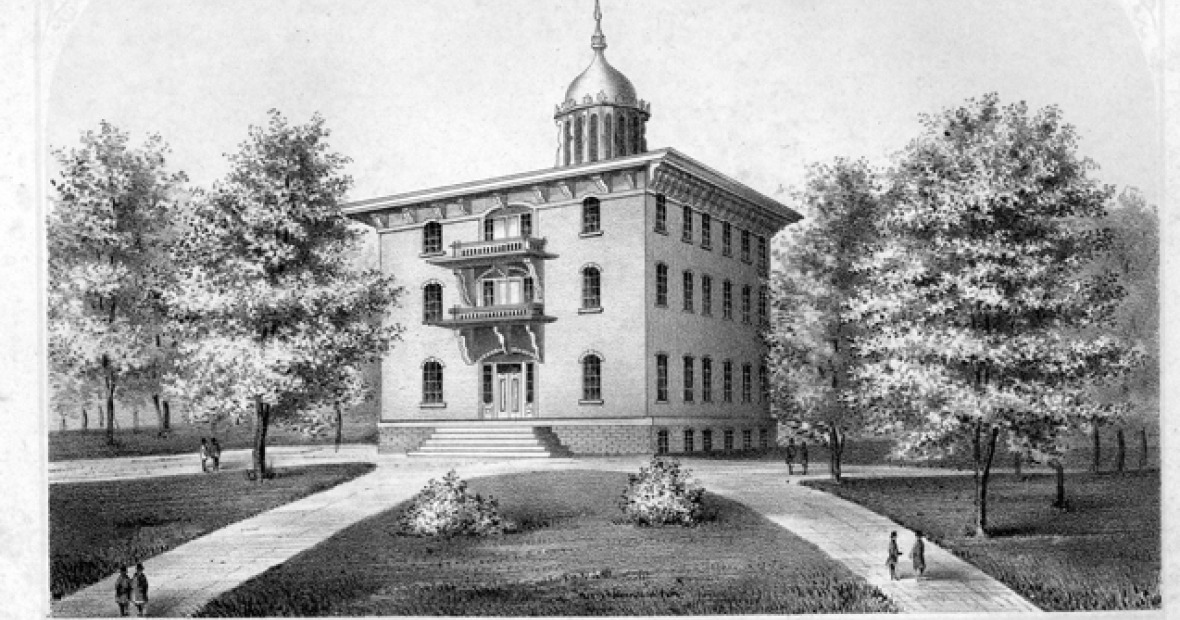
509 391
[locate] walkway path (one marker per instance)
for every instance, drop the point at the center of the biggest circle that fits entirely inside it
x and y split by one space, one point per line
187 577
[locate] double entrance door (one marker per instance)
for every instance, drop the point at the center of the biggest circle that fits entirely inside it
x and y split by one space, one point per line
508 390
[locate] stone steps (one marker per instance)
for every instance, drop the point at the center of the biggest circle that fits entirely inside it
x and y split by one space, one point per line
490 441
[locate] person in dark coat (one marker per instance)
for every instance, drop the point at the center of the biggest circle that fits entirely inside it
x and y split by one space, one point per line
215 454
790 456
139 591
123 591
894 553
918 554
803 457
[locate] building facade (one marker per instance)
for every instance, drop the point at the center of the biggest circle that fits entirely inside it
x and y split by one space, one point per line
614 302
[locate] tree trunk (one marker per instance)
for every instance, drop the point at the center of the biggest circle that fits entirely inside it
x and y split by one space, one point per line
339 427
261 422
1059 469
110 412
1142 449
159 415
982 477
85 420
101 417
1120 458
63 420
1016 464
167 417
835 452
1096 465
135 420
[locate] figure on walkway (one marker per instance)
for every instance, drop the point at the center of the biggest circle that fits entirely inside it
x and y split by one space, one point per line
803 456
918 554
123 591
215 454
894 553
790 456
139 591
204 452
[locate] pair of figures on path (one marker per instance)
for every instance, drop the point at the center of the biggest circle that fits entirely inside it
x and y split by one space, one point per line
794 453
210 453
917 554
132 589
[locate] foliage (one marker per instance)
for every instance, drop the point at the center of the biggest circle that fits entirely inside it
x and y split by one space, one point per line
109 219
97 527
979 294
662 493
446 508
1105 554
277 320
811 356
576 563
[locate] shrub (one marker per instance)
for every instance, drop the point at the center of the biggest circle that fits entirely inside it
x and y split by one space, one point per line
662 493
446 508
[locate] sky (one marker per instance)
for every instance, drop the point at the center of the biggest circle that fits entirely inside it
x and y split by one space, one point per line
421 94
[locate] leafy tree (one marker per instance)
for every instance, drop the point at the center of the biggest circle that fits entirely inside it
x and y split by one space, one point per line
111 207
274 318
811 357
972 324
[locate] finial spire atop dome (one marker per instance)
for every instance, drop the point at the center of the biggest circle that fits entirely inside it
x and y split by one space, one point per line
598 41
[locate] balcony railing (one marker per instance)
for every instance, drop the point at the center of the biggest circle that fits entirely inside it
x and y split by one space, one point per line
478 250
534 311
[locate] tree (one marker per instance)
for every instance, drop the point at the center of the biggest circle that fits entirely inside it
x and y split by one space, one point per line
811 338
273 317
973 321
111 205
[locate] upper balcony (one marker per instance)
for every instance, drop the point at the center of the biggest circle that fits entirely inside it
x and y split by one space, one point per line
463 316
481 252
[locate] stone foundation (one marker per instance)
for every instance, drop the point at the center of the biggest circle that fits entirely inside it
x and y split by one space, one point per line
401 439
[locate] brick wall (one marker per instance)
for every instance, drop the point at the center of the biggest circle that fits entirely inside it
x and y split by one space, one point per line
607 439
400 440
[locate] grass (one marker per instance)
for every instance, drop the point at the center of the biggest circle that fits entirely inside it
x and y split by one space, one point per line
185 439
572 556
96 527
1102 554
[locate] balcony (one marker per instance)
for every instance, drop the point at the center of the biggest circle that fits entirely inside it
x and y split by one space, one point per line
482 252
462 316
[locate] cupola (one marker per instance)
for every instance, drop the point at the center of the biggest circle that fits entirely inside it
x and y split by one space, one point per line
601 117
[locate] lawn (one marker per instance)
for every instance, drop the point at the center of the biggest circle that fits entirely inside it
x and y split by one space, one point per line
185 439
1102 554
571 557
96 527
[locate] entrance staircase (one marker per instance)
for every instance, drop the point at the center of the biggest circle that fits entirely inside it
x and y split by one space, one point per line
491 441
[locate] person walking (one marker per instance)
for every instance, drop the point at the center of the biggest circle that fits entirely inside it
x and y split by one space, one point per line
803 456
215 454
123 591
791 456
918 554
139 591
894 553
204 452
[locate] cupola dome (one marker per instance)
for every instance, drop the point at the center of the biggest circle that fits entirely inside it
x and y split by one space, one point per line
601 116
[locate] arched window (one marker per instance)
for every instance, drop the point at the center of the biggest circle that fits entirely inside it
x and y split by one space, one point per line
707 295
661 378
689 380
727 299
432 238
579 139
745 246
746 304
607 135
593 137
661 285
591 216
432 303
621 136
591 288
661 214
432 382
592 378
688 292
707 379
567 144
727 381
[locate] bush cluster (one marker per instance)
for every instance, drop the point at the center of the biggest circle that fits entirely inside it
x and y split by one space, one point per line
662 494
446 508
